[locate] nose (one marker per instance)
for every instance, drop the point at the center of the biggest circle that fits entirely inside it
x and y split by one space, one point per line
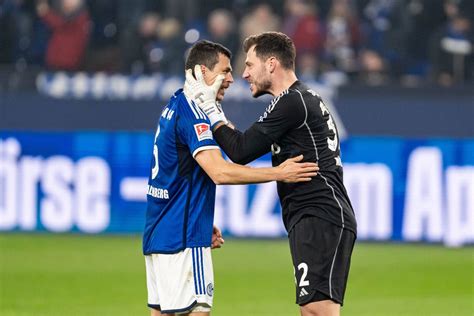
229 78
245 74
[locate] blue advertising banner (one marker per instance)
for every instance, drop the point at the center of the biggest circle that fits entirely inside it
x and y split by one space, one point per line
95 182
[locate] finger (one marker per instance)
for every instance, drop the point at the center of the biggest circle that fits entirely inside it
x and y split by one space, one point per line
217 243
216 231
309 174
297 158
308 165
189 75
198 72
310 169
217 84
303 171
303 180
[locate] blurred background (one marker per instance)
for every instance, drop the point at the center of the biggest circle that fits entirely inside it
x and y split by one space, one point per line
371 42
83 82
82 85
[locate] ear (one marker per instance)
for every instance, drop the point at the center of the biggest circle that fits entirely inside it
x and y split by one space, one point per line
271 64
203 70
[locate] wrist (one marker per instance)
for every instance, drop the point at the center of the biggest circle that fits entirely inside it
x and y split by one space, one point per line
217 120
279 173
216 126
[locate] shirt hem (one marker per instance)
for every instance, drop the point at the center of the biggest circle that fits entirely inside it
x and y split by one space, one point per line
202 148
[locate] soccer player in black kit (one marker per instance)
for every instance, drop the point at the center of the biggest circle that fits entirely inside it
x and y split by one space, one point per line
318 215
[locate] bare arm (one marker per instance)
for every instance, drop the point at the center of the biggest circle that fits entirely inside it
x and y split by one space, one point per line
223 172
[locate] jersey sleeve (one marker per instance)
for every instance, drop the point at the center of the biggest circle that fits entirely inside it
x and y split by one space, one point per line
245 147
284 113
194 128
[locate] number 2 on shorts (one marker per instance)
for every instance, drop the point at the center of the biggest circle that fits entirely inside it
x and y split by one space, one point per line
303 282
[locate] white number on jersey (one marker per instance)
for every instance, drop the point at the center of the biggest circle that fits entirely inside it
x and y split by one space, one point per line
154 170
332 143
275 149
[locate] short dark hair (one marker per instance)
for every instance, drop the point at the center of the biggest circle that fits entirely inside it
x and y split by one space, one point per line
274 44
206 53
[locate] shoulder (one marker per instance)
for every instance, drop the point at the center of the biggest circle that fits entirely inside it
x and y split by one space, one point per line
185 107
287 100
293 100
297 94
285 108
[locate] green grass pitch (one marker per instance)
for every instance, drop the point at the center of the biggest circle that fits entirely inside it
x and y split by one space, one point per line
42 274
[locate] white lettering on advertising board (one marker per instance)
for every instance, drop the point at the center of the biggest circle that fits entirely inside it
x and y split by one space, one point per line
64 193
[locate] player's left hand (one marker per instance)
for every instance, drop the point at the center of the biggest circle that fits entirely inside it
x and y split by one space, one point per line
198 90
217 240
203 95
294 170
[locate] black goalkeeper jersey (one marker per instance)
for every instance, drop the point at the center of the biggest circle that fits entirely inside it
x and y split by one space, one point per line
297 122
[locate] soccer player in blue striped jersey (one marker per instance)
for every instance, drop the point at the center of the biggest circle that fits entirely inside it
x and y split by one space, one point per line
186 166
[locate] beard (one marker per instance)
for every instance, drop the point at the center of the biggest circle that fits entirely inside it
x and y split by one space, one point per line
262 87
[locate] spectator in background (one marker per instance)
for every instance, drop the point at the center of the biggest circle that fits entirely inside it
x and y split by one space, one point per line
309 67
384 25
260 18
22 37
342 37
302 25
167 55
451 49
221 29
422 18
69 33
8 29
103 53
138 41
155 45
372 68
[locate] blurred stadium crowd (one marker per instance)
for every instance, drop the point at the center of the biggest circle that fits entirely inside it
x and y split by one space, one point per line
374 42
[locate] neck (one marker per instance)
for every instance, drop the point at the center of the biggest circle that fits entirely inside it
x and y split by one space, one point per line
282 80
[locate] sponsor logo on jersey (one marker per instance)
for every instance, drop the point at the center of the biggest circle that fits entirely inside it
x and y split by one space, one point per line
210 289
203 131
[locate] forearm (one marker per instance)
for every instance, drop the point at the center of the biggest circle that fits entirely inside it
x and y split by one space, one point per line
242 148
229 173
224 172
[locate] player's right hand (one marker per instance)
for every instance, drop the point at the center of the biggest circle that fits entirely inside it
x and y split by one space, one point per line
293 170
217 240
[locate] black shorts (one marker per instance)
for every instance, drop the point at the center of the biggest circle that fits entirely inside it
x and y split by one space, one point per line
321 253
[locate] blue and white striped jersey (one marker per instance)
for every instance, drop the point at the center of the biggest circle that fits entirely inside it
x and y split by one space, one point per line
180 210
